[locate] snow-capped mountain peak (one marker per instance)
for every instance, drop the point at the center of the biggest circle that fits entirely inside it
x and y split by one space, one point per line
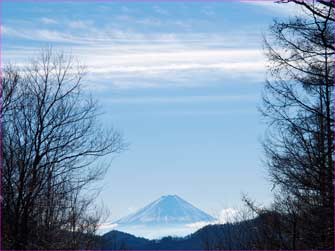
167 210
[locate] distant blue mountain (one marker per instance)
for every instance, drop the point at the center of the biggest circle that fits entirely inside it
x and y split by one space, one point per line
168 215
167 210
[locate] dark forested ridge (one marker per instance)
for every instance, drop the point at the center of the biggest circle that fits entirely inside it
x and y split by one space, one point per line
238 236
209 235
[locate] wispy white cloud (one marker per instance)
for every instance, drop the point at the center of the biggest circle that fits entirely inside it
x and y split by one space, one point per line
149 21
277 7
47 20
86 32
192 113
79 24
167 65
172 65
160 10
128 59
152 69
183 99
208 11
45 35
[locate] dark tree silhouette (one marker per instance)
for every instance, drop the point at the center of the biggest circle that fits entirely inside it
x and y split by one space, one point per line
299 108
51 143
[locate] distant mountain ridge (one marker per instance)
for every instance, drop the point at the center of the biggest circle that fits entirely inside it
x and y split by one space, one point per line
212 237
169 209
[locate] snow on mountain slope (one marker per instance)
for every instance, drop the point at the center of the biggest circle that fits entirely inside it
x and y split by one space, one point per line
167 210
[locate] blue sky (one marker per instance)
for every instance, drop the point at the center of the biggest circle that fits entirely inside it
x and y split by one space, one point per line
181 80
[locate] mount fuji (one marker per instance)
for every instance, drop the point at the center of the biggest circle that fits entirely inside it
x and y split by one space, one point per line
168 215
169 209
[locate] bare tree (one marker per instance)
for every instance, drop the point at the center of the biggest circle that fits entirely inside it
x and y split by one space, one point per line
52 140
299 108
